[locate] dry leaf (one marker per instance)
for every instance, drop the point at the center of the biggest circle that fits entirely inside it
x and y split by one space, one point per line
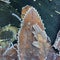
24 10
57 42
41 37
26 38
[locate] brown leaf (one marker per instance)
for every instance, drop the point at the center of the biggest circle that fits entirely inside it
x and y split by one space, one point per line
26 38
57 42
41 37
24 10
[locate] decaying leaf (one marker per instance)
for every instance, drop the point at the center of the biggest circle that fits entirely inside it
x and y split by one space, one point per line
41 37
1 50
57 42
26 37
24 10
52 55
6 58
9 53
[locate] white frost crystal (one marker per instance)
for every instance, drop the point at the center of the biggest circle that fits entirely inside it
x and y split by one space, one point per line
57 42
7 1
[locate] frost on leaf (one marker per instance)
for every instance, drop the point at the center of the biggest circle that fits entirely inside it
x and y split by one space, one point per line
8 54
24 10
41 37
57 42
26 38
